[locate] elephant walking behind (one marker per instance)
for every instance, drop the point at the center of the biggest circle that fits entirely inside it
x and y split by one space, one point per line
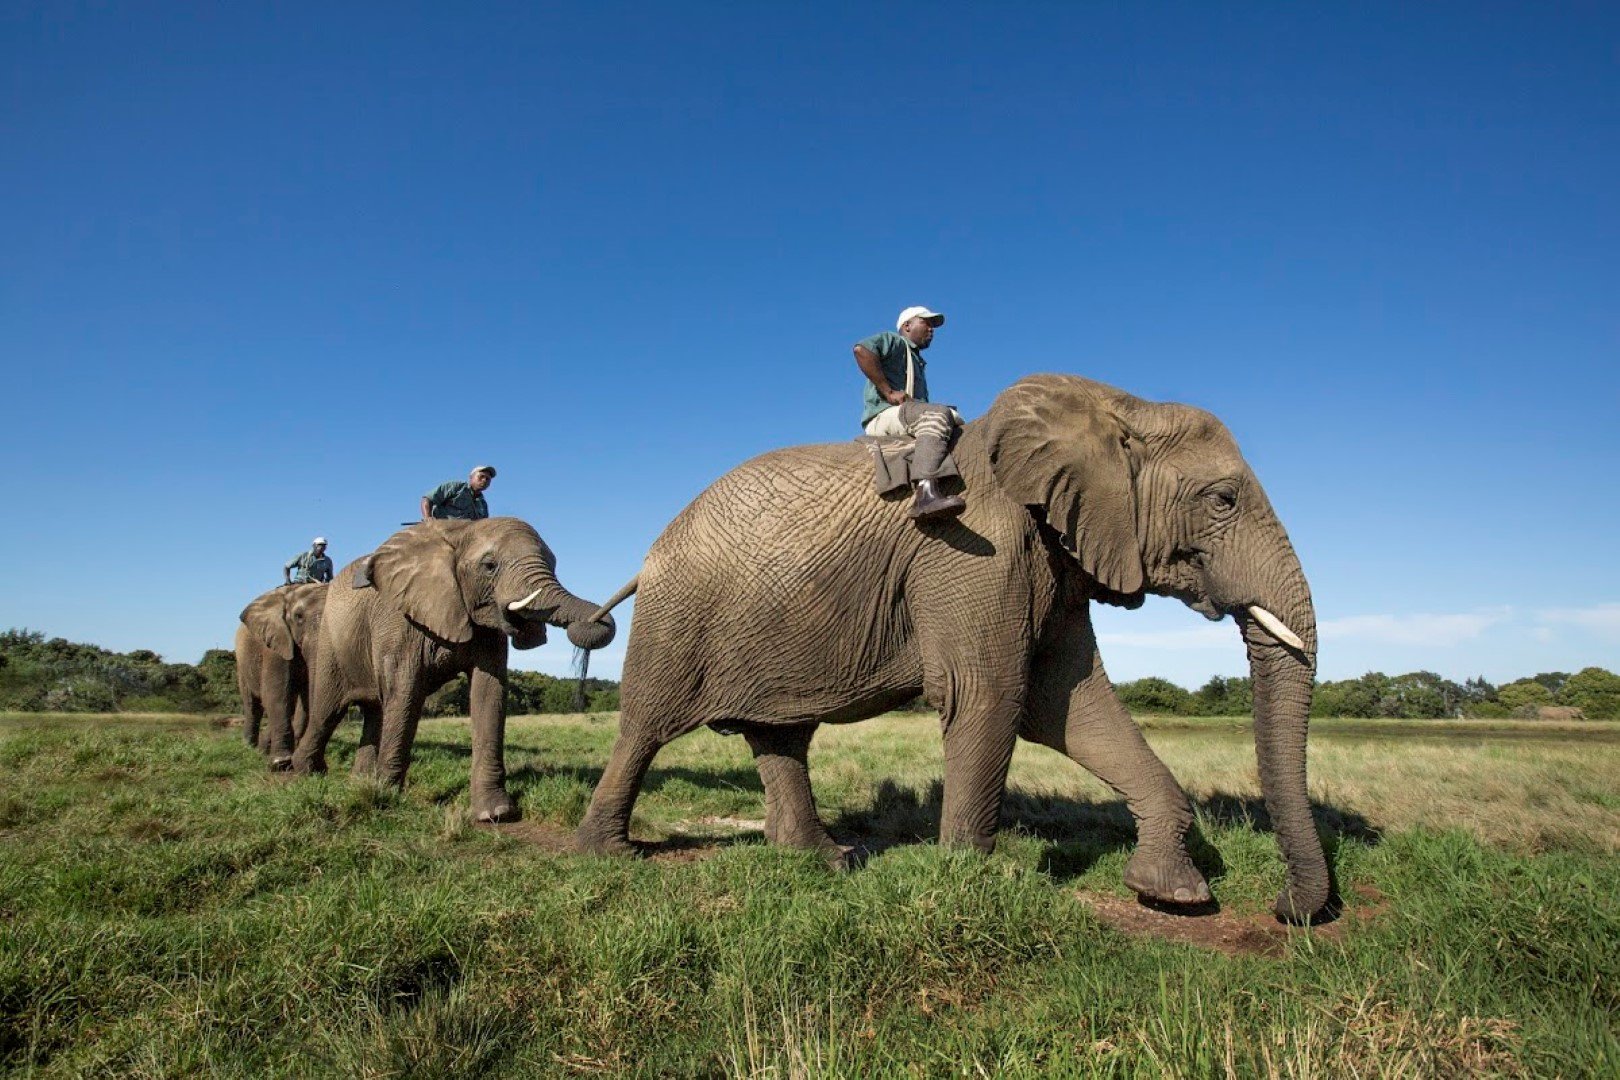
444 598
274 646
788 595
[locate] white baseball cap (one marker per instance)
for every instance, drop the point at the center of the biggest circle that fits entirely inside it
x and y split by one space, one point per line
317 540
935 319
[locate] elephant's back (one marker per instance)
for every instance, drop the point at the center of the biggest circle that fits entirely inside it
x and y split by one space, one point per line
773 595
814 493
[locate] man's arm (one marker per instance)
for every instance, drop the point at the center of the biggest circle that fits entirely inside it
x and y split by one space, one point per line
872 368
435 498
286 571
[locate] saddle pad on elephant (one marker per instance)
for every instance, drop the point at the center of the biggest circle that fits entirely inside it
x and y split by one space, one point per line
891 461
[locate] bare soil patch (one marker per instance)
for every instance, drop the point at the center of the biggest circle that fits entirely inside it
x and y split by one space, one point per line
1229 932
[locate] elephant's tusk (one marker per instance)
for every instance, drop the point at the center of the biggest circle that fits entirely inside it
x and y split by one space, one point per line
519 605
1276 627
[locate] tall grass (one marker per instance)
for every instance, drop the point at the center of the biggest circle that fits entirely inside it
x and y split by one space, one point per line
167 907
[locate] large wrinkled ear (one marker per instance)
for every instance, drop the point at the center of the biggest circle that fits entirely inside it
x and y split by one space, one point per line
266 618
416 570
1055 441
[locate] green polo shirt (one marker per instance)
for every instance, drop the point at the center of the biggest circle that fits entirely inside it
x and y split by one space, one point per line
890 349
457 499
309 566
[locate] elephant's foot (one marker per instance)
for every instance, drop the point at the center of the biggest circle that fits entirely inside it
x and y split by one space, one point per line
1169 879
313 765
813 837
594 838
1305 906
495 809
365 763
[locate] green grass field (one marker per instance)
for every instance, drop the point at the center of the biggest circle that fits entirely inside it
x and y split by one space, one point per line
168 908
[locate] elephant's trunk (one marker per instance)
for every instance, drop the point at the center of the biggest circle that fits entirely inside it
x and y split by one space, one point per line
546 600
1283 678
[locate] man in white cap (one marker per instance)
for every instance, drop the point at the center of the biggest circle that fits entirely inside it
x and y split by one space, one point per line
896 403
311 565
459 499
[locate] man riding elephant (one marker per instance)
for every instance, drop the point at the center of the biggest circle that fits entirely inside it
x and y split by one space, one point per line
896 403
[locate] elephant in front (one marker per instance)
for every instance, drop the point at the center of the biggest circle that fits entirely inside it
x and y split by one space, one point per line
273 647
443 598
789 595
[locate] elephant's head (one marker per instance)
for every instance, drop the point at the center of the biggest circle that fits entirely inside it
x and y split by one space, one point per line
287 619
1151 497
266 620
303 607
452 577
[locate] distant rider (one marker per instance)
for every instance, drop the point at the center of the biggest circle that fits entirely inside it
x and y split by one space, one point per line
896 403
311 565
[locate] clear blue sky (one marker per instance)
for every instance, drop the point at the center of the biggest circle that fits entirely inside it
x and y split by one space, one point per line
272 271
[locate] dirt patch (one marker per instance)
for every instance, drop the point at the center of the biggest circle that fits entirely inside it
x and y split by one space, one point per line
1229 932
542 834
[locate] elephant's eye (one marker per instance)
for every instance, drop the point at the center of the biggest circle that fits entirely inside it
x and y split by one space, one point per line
488 564
1221 499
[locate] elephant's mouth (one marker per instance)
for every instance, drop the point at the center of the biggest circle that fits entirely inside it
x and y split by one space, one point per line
526 629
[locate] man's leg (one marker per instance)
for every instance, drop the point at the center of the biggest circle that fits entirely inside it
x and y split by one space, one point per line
931 426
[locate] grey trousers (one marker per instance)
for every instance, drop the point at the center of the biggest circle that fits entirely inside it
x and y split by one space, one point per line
929 424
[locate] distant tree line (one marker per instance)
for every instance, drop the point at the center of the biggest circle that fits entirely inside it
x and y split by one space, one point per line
1417 695
39 675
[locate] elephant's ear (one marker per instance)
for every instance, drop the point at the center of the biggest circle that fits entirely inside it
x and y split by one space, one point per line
416 570
266 618
1056 442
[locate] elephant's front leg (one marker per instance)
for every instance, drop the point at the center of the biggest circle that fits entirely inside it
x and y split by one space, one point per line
327 706
300 716
1074 710
365 755
401 712
487 704
977 682
780 753
279 699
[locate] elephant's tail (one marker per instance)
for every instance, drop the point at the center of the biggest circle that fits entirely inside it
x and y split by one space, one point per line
625 592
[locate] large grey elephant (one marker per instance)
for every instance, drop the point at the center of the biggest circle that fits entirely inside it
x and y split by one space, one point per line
274 643
445 598
789 595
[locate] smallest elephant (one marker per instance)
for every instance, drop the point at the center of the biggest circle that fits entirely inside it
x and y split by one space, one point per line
274 645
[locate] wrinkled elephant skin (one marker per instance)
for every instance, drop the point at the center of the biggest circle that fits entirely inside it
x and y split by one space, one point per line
789 595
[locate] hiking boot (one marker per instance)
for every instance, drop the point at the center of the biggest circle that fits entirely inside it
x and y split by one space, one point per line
930 502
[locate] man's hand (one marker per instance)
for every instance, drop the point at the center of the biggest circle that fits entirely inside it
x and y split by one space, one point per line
896 397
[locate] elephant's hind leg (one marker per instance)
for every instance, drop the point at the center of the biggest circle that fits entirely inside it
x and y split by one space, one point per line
780 753
605 829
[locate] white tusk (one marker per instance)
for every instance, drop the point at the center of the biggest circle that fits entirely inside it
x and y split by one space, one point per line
1276 627
519 605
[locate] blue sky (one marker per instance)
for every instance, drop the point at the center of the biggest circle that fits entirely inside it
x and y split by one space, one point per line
276 270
